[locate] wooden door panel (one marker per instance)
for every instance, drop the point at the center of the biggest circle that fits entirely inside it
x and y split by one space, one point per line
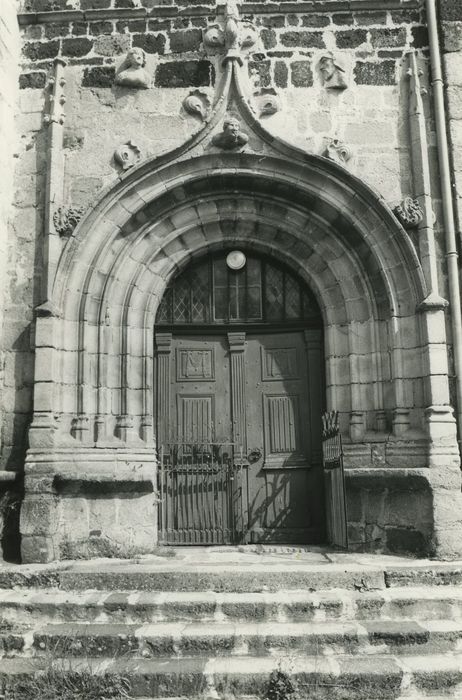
200 404
196 416
285 484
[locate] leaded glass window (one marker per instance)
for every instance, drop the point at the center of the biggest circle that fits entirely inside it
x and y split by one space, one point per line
263 291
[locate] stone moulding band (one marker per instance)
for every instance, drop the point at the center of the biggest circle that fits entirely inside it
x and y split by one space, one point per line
316 6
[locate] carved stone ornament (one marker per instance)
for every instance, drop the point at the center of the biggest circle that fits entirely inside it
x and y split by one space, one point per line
131 72
267 102
233 37
197 104
332 73
231 137
338 151
127 155
65 220
409 212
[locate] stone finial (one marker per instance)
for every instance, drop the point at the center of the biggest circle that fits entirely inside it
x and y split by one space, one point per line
127 155
131 72
332 72
197 104
233 38
231 137
338 151
409 212
65 220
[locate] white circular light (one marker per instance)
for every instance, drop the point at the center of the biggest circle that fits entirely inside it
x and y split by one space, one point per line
236 260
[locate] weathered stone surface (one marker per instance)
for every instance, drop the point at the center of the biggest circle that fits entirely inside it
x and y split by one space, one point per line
181 42
184 74
368 73
39 50
76 47
151 43
301 74
281 74
450 10
98 77
350 38
36 80
388 37
112 45
303 39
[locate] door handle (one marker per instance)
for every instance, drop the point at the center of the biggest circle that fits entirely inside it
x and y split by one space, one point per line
254 455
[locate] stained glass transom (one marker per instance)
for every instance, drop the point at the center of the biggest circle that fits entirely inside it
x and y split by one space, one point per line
261 292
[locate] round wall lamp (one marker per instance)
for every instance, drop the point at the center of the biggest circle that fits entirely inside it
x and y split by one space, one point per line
235 260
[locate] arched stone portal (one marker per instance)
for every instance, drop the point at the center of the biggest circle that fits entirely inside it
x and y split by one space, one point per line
92 456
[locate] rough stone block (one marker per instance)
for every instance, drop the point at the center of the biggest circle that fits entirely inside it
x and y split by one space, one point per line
281 74
452 36
176 74
56 29
39 515
103 27
76 47
262 69
38 549
181 42
304 39
401 539
112 45
301 74
351 38
450 10
315 21
387 37
268 36
35 79
151 43
343 18
41 50
419 37
369 73
98 76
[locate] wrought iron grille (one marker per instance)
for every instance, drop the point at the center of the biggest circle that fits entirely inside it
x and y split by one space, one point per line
203 493
334 480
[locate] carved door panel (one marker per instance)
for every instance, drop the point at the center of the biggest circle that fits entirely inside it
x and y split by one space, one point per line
283 407
193 391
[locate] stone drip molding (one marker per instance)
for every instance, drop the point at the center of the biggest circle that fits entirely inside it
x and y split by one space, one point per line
313 7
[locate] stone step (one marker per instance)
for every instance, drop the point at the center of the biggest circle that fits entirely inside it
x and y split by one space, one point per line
228 575
314 677
30 607
257 639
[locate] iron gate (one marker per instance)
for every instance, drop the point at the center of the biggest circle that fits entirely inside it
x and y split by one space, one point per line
203 493
334 481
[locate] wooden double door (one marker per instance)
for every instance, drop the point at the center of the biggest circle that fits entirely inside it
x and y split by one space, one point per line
262 393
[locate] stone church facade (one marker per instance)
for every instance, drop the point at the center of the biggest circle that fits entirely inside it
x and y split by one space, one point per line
217 223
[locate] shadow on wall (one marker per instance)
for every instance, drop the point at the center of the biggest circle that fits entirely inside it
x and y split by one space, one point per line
392 514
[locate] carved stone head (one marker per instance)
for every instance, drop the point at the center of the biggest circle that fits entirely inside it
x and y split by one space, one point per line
332 72
132 73
136 57
231 136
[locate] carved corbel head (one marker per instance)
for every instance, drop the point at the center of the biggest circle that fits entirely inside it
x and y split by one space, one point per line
127 155
197 104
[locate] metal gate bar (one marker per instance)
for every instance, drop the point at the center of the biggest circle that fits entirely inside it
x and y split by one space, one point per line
202 489
334 481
